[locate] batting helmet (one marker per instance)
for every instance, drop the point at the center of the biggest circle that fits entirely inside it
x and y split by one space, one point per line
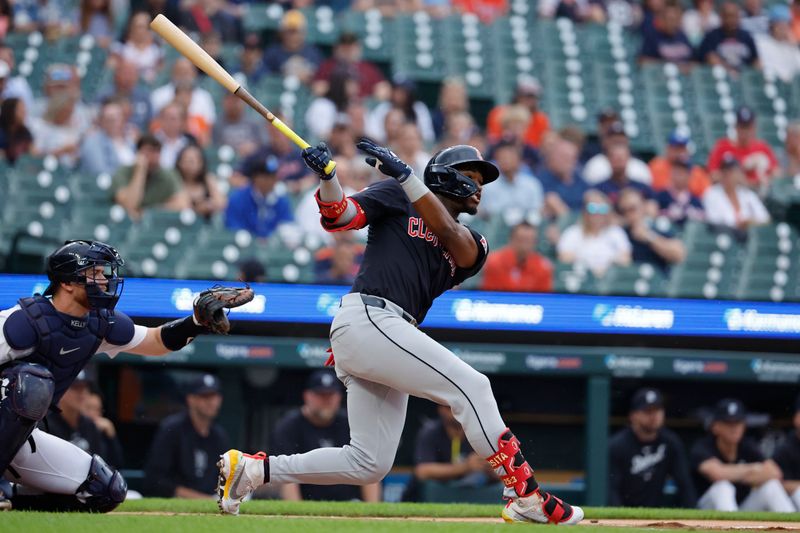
69 264
442 174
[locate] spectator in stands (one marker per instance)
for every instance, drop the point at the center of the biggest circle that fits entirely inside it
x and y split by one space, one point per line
514 121
699 20
259 207
667 42
594 144
325 111
516 189
95 19
6 18
251 270
677 202
453 100
729 45
791 150
730 203
338 263
200 184
15 138
643 455
650 11
134 98
109 146
93 410
777 48
649 244
238 130
598 168
408 146
561 179
787 457
183 455
147 184
754 155
15 86
677 153
619 156
796 20
170 129
755 20
251 60
204 16
320 422
292 55
442 453
486 10
70 424
577 11
403 97
730 473
139 47
517 266
528 93
347 56
595 243
184 73
61 120
458 128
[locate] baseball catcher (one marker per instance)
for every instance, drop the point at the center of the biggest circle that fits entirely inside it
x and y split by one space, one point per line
46 340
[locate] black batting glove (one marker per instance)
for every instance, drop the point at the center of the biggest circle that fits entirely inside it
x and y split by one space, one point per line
317 158
385 160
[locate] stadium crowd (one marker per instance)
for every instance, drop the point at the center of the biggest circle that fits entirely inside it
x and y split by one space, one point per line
621 209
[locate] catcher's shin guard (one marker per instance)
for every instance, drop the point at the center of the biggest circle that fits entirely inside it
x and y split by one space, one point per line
514 471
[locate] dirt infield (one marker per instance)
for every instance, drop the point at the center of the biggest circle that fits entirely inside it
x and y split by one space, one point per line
717 525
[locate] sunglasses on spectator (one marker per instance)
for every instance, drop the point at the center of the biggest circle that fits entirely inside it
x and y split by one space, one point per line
597 208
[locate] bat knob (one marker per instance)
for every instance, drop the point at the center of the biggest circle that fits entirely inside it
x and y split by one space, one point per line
329 168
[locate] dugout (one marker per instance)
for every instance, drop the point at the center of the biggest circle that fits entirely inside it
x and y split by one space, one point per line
563 401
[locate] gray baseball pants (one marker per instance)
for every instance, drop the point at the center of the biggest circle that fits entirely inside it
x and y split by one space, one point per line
382 359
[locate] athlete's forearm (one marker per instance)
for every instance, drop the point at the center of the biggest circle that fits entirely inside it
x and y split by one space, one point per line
454 237
331 193
330 190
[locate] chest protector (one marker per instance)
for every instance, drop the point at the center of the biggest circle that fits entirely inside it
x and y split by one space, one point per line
65 343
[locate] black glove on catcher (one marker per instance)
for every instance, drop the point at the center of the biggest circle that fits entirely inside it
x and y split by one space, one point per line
390 164
209 316
210 305
317 159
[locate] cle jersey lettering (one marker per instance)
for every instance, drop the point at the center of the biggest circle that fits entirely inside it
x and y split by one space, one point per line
417 229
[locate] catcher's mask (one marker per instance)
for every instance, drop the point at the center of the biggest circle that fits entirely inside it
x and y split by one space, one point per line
442 174
76 262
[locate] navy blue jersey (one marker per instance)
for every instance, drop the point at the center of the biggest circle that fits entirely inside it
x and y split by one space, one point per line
404 261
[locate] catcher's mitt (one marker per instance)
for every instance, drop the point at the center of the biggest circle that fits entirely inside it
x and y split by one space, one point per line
210 305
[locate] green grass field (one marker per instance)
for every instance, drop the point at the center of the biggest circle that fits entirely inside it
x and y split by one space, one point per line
332 517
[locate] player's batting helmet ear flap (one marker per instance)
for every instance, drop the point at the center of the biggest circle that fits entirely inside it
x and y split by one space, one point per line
442 174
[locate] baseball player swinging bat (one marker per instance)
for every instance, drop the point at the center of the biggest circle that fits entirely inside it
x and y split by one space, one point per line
194 53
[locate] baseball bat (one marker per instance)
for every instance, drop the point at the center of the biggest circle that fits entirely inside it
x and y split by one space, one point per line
194 53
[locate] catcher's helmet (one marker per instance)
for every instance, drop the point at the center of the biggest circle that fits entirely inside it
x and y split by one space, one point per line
69 263
442 174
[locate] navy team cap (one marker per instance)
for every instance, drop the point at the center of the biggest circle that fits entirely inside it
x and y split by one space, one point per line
729 410
646 399
323 381
205 384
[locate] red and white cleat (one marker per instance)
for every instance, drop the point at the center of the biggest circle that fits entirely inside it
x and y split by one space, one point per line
543 508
